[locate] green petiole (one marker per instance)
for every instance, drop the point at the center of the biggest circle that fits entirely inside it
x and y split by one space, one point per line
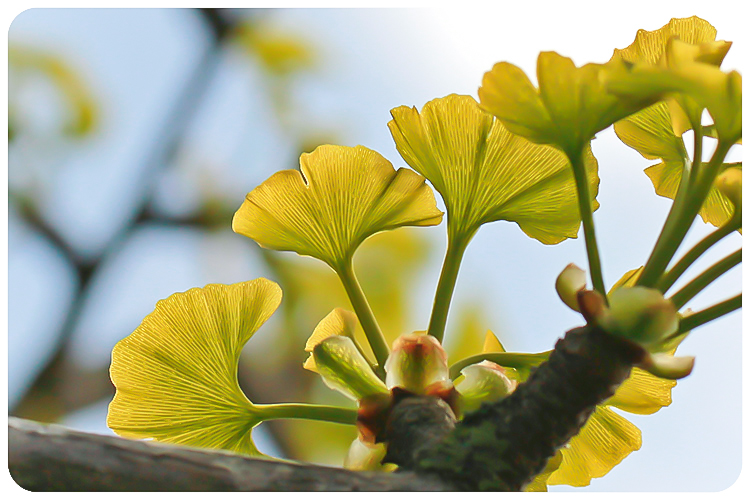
681 297
323 413
587 217
365 315
709 314
671 276
681 216
507 359
446 284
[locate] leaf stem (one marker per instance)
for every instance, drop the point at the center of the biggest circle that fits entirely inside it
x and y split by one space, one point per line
446 284
364 313
709 314
587 217
681 297
671 276
681 216
506 359
323 413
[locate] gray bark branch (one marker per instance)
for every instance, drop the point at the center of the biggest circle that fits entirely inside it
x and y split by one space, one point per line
52 458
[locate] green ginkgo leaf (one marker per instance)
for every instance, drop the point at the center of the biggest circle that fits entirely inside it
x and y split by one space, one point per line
665 176
338 198
691 71
649 48
484 173
344 369
176 374
570 106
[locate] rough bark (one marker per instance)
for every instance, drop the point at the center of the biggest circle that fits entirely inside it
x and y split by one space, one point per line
502 446
53 458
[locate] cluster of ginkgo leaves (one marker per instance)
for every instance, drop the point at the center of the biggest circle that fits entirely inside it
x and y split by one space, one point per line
521 154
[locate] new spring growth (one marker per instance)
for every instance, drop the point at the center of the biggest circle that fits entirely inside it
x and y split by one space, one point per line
638 314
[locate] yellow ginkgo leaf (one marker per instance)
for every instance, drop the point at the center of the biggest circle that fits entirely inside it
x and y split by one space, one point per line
569 108
337 322
649 48
605 440
642 393
484 173
628 279
341 196
650 133
492 343
665 176
344 369
176 374
692 72
539 483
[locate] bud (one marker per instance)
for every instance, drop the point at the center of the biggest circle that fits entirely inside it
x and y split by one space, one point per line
364 456
485 381
337 322
667 366
344 369
641 315
571 280
416 362
591 304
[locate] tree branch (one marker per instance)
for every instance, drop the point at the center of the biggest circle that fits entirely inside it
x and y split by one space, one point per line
53 458
502 446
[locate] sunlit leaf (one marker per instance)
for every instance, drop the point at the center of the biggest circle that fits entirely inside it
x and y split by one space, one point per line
337 322
717 208
485 174
570 106
642 393
539 483
627 279
649 48
492 343
688 70
605 440
344 369
341 196
176 374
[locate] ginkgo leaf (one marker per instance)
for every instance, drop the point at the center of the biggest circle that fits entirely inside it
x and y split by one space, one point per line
492 343
176 374
340 196
484 173
717 208
691 71
344 369
605 440
642 393
337 322
628 279
649 48
650 133
539 483
570 106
